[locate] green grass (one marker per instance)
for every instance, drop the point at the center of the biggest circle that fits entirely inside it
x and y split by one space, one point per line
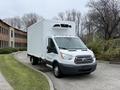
21 77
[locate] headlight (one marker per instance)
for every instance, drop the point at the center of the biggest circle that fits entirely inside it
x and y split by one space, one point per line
66 56
93 56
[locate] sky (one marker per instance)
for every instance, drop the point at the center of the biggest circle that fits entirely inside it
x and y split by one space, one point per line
45 8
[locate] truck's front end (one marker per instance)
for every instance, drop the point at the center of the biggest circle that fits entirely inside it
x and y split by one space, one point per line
74 56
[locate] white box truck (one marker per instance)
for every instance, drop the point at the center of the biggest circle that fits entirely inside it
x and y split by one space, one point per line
56 43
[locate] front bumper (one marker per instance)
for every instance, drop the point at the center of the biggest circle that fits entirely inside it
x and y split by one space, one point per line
74 69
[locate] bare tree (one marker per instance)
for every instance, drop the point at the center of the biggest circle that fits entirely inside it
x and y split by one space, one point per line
61 16
78 23
71 15
23 22
15 22
68 16
104 15
30 19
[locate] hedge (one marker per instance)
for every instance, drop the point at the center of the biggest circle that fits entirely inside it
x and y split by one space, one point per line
10 50
106 50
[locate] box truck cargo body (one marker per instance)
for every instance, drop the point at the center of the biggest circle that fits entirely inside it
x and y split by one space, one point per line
56 43
39 33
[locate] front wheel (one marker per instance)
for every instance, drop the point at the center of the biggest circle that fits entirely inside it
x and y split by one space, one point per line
56 71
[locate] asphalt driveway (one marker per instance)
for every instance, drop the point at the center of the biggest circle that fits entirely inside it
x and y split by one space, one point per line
106 77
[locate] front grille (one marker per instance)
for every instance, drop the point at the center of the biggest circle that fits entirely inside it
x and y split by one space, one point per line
83 59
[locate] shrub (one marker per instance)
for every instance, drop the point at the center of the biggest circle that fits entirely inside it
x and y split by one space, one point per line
22 49
105 50
109 44
10 50
7 50
111 54
96 46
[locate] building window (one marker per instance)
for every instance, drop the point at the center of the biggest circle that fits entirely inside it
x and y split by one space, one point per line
20 35
0 44
11 33
12 44
3 44
4 31
0 29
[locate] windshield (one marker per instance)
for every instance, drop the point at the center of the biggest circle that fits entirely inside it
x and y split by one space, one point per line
69 43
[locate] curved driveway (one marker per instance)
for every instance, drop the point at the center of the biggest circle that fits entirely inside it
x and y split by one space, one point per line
106 77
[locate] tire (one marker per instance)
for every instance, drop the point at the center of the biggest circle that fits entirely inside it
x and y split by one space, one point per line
56 71
33 60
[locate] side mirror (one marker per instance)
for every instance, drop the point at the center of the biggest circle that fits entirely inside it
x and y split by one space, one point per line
49 50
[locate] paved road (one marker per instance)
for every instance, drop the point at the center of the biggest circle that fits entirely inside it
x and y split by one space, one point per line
106 77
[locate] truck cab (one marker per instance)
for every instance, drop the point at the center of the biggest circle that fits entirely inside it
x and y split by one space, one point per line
69 55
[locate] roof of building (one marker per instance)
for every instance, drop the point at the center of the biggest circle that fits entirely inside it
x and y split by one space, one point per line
4 23
11 26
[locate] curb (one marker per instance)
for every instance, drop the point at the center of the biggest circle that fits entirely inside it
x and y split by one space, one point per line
49 80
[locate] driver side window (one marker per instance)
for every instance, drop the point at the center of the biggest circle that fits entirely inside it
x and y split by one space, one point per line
51 46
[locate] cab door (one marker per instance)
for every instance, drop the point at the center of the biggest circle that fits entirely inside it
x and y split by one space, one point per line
52 53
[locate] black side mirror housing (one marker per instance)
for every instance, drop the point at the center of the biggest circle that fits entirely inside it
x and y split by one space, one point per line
49 50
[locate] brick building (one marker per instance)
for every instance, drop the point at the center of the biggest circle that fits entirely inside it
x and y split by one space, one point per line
11 37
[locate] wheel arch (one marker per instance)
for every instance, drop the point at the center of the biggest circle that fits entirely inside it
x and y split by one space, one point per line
55 62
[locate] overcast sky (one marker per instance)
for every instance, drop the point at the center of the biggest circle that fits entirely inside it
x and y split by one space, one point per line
46 8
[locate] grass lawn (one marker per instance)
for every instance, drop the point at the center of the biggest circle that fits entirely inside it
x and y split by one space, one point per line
21 77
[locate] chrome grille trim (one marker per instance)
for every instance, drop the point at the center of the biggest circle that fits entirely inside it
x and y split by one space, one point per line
84 59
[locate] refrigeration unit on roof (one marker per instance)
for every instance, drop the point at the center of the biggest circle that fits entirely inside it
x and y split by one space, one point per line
62 26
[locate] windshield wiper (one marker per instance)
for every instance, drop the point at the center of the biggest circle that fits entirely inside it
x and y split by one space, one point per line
80 48
83 49
72 49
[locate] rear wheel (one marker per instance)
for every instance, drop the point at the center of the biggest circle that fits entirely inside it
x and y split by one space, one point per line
33 60
56 71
